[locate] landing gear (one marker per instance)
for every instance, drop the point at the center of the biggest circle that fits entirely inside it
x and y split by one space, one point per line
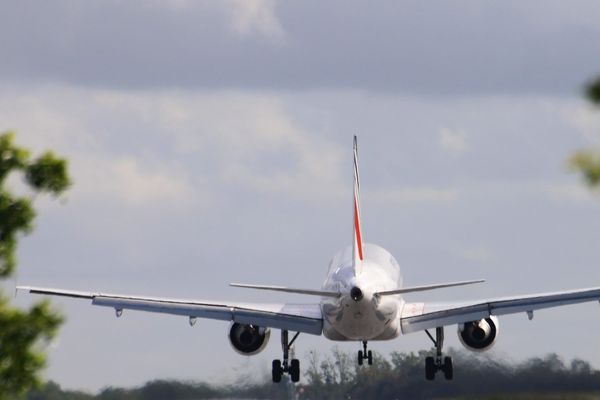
433 365
362 354
277 371
279 367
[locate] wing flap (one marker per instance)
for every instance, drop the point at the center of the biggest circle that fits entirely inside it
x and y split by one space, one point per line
420 316
306 318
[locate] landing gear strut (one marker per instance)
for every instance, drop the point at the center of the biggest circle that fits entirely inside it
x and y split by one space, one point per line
293 368
433 365
362 354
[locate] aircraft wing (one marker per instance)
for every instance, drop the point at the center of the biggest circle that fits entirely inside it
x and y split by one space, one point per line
306 318
421 316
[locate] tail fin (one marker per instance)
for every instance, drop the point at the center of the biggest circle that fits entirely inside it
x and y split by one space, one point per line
357 244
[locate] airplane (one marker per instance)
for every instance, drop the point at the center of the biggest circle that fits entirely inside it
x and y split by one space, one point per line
360 300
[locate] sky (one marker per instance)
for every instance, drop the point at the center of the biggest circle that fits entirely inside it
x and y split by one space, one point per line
210 142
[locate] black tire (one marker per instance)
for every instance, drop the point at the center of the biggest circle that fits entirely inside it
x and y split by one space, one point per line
276 371
295 370
448 368
360 357
370 357
430 368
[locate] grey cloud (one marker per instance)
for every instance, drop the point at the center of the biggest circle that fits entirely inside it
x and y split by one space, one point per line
410 47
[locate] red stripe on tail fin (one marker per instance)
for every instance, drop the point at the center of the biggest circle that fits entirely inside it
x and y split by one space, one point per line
357 232
357 243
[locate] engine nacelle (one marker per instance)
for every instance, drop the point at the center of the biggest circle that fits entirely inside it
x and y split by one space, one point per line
479 335
248 339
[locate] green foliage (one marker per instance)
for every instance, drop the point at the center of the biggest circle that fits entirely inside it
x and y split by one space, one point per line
16 216
592 91
44 174
588 163
48 173
11 157
22 332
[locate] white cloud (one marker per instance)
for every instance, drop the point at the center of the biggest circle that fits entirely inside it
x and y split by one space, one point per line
128 181
255 17
247 140
241 139
68 122
454 140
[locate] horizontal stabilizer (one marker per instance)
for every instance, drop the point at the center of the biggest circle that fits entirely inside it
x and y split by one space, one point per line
311 292
427 287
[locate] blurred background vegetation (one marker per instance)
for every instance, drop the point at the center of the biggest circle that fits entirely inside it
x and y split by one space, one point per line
399 376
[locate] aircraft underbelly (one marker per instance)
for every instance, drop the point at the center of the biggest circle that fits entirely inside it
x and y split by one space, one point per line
348 321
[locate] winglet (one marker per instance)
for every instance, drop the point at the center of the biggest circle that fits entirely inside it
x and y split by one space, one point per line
357 243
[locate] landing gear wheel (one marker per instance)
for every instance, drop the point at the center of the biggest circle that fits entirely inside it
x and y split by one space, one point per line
281 367
433 365
276 371
365 354
448 369
430 368
295 370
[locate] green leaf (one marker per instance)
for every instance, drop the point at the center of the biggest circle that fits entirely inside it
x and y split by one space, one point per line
588 163
16 216
48 173
11 157
592 91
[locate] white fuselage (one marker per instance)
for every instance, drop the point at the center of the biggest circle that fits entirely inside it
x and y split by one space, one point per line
365 317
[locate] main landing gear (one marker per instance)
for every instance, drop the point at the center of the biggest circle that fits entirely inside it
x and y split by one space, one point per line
293 368
433 365
362 354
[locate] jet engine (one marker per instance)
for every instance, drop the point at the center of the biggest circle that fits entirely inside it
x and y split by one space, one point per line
478 335
248 339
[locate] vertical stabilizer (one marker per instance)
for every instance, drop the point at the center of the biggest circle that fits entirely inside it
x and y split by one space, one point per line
357 244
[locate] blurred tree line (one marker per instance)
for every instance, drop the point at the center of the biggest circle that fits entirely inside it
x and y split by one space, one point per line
400 376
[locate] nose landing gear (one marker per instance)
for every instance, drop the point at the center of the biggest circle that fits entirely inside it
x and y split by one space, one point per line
362 354
433 365
279 367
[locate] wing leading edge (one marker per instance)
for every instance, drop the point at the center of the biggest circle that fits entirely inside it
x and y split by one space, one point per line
306 318
420 316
